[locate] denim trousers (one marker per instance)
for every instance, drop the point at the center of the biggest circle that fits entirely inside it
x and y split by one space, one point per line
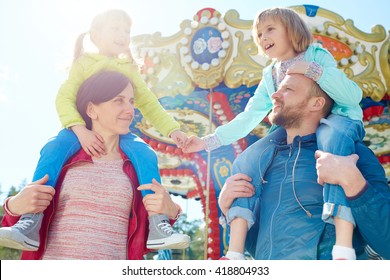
338 135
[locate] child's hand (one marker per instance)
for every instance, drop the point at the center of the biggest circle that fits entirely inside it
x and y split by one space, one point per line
179 137
298 67
91 142
194 144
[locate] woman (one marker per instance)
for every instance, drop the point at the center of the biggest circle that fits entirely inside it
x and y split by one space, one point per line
97 211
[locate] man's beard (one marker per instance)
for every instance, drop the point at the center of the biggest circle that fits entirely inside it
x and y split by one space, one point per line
288 117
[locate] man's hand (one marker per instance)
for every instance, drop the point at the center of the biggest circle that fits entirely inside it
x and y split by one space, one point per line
238 185
33 198
339 170
160 202
91 142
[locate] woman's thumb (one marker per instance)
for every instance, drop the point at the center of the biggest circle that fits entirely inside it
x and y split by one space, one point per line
354 157
41 181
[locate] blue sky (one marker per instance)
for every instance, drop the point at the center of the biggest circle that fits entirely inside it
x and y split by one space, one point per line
37 38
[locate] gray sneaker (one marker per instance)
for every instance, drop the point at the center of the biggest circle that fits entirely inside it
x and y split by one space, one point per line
162 236
24 235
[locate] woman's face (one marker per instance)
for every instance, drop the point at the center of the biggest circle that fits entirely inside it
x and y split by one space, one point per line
114 117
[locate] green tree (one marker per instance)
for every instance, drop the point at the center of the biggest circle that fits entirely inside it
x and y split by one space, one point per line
7 253
195 229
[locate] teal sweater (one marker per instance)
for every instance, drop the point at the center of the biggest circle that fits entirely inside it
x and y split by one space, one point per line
345 92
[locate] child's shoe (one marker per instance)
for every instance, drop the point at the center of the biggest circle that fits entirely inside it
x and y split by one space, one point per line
24 235
224 258
162 236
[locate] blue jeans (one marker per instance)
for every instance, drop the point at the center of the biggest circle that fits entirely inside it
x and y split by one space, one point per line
59 149
254 161
338 135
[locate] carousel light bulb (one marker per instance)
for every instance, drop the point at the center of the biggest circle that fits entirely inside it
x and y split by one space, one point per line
187 31
184 41
205 66
222 54
225 35
204 20
221 26
214 21
194 24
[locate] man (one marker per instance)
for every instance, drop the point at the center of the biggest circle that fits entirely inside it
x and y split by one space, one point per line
288 222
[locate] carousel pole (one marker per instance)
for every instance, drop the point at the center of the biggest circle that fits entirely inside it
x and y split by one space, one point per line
208 178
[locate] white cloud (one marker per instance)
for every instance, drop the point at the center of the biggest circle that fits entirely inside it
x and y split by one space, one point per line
4 73
3 97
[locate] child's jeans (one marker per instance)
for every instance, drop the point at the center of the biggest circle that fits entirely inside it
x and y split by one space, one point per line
338 135
62 147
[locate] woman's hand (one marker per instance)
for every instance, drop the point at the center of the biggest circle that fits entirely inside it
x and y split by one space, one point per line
33 198
160 202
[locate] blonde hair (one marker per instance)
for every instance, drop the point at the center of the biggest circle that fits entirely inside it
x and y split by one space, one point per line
297 30
97 24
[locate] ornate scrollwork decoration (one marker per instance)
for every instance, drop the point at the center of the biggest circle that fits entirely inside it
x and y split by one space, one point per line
356 51
244 70
206 48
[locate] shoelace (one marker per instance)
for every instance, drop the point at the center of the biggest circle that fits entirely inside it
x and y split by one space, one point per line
166 227
24 223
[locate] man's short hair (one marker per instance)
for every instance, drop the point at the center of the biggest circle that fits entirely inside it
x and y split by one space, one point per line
316 91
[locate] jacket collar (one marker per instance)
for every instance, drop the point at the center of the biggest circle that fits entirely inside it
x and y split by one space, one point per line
281 138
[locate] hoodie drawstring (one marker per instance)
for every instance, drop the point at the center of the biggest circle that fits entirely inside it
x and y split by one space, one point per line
293 182
261 175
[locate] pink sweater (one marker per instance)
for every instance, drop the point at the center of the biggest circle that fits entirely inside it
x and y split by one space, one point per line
92 213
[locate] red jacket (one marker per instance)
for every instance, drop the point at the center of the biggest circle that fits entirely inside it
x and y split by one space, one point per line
138 223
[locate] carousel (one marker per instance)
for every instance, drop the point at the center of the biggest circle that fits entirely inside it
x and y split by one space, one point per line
204 75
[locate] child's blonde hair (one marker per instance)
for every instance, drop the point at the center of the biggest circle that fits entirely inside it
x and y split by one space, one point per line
297 30
97 24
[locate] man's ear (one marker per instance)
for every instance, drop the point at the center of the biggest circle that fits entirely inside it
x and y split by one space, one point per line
91 112
316 103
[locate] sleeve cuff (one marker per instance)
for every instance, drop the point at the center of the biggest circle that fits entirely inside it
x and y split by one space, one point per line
179 212
314 71
212 142
6 209
363 190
